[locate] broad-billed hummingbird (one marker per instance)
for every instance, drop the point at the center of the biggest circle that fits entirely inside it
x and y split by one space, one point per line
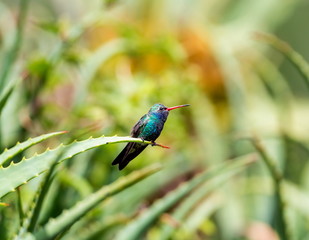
148 128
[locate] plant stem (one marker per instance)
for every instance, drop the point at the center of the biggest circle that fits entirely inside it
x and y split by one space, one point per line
278 184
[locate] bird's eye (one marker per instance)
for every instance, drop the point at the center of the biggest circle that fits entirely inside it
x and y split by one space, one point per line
161 108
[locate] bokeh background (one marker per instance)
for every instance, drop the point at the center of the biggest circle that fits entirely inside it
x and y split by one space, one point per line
95 67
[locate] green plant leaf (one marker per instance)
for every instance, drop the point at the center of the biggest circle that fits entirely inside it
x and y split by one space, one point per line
4 97
294 57
12 55
277 177
136 228
196 197
30 222
19 147
27 169
98 229
52 27
296 197
91 66
69 217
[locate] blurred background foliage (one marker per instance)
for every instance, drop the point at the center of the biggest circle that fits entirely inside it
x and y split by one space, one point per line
95 67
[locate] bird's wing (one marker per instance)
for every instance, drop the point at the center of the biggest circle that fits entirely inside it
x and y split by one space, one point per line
139 126
132 149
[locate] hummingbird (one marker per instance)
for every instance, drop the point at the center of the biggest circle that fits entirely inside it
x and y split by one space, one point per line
148 128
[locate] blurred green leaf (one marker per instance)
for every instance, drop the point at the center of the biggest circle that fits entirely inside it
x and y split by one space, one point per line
136 228
69 217
294 57
52 27
4 97
39 67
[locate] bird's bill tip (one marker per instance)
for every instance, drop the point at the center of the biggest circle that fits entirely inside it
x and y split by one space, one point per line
171 108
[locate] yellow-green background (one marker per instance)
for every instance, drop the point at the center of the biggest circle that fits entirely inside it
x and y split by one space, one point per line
95 67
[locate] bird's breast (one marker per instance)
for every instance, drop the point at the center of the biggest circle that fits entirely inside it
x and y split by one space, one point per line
152 130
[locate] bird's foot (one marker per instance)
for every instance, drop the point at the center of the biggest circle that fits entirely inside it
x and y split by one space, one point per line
159 145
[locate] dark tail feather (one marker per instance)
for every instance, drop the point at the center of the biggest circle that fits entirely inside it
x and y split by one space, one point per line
131 155
122 154
123 164
130 151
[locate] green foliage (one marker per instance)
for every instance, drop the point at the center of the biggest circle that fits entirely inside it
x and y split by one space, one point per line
93 68
21 172
295 58
4 97
12 152
135 229
69 217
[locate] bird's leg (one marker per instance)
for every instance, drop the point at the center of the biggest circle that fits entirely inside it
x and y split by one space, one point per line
157 144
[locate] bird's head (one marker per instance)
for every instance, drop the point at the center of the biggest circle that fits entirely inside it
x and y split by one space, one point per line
160 109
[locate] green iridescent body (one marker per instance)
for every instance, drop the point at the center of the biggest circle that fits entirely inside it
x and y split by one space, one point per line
148 128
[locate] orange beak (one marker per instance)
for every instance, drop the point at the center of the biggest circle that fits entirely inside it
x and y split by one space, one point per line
171 108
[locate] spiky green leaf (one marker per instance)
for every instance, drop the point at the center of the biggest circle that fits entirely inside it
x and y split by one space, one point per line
19 147
27 169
